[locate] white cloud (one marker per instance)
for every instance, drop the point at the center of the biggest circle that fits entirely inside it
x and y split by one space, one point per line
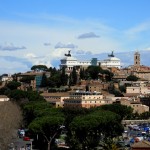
30 55
32 35
12 66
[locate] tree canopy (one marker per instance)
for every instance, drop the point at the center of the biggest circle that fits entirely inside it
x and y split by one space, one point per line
12 85
88 130
39 68
132 78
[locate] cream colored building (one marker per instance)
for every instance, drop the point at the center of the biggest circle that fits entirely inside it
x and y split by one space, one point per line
140 90
138 87
4 98
136 105
85 99
70 62
56 98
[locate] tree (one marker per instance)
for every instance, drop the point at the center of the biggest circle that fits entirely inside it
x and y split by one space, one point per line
39 68
122 88
108 75
11 117
56 80
74 76
88 130
93 71
12 85
48 126
145 115
32 110
82 73
63 77
34 96
122 110
132 78
27 79
17 95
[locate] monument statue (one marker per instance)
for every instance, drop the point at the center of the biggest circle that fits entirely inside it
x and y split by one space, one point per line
69 55
111 55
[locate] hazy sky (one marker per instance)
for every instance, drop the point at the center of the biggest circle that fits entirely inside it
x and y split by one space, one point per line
40 31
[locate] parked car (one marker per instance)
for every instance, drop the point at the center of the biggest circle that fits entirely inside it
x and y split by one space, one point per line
26 138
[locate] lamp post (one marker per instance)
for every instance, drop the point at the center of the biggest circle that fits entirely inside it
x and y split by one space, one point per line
49 143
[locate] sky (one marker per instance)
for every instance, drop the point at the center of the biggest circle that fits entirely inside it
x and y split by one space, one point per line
34 32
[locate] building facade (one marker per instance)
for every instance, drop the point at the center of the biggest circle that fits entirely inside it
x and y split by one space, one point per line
69 62
85 99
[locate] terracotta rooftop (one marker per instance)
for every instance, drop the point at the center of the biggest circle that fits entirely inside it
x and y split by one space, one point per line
130 94
56 94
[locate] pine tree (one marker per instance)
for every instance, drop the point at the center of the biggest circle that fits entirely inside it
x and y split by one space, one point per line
74 76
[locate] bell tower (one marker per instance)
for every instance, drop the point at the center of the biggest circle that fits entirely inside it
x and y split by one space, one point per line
137 59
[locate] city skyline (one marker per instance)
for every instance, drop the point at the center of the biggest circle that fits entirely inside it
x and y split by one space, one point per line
41 31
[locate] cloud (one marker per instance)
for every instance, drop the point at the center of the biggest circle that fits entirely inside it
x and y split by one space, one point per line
39 60
139 30
82 52
47 44
11 47
88 35
11 64
30 55
61 45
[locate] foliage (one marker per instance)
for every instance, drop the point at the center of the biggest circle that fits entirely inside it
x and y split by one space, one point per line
63 77
12 85
39 68
82 73
23 97
132 78
108 75
34 96
73 77
55 80
93 71
32 110
88 130
17 95
122 88
122 110
27 79
4 90
47 124
117 93
145 115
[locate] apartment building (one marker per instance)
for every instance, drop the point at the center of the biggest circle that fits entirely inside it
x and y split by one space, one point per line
56 99
136 105
85 99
